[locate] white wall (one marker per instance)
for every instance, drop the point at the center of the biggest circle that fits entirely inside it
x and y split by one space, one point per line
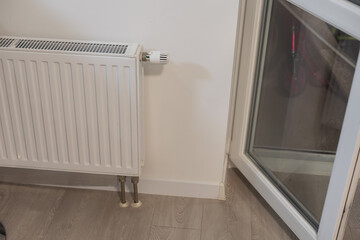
186 101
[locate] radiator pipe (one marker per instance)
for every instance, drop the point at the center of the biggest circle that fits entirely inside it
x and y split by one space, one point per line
123 203
137 202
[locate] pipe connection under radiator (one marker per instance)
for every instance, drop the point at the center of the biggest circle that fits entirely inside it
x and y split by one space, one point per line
123 203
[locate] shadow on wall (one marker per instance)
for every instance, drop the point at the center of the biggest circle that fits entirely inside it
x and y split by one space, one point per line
180 92
188 71
192 71
153 69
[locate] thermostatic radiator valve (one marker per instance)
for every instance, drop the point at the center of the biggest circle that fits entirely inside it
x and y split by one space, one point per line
155 57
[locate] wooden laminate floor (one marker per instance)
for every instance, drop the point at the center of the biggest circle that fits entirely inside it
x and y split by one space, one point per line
33 212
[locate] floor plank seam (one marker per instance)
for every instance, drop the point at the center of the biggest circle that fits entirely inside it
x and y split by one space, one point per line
183 228
151 222
57 204
202 218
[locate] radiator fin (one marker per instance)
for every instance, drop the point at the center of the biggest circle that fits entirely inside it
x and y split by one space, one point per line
6 123
23 98
102 108
80 115
65 46
15 112
58 112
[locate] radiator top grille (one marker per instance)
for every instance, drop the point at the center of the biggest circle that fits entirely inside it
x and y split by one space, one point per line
15 43
71 46
6 42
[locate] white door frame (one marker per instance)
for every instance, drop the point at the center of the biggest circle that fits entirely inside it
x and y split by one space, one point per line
244 74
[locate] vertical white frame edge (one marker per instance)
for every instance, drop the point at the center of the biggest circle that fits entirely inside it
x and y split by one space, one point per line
344 165
235 74
247 66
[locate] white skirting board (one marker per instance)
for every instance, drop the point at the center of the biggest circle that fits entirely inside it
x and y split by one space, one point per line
165 187
109 183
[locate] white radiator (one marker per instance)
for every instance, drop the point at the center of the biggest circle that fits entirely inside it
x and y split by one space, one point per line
70 106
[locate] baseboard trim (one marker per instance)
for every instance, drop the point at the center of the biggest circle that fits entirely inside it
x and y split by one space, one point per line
163 187
147 185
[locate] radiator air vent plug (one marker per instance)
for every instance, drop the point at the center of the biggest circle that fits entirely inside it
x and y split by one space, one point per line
155 57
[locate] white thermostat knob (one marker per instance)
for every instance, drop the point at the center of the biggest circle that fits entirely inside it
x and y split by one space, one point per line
155 57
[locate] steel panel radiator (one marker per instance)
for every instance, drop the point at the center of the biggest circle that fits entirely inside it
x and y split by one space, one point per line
70 106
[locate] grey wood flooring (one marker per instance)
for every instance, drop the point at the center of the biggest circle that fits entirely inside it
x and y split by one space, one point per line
33 212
